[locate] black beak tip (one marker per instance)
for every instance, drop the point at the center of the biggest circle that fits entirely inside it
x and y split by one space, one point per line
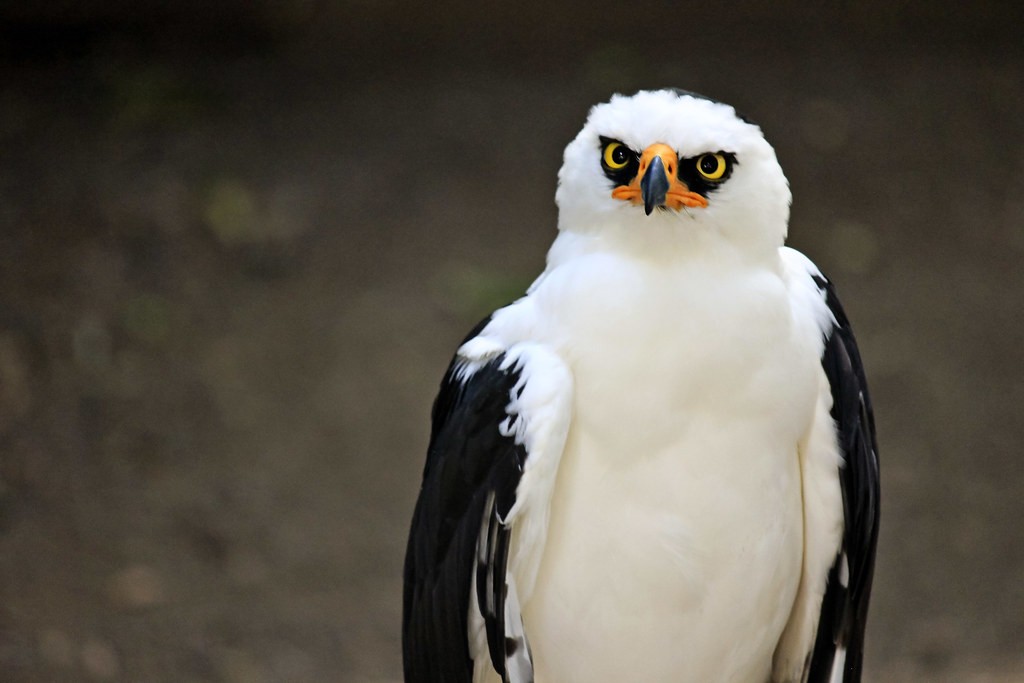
654 185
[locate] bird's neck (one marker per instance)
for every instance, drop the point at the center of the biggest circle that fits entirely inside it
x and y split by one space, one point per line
662 246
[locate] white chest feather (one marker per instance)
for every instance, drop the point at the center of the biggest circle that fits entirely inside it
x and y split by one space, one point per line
676 517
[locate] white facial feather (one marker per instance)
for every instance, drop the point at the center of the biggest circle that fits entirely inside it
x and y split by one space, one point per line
750 210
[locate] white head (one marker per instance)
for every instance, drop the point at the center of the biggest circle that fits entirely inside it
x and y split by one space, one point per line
668 167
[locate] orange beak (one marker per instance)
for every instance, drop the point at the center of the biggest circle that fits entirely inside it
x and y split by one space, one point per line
656 183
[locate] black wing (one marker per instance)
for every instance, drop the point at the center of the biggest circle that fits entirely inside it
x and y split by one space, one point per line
469 480
844 609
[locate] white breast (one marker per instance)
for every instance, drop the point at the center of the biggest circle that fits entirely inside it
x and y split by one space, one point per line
675 536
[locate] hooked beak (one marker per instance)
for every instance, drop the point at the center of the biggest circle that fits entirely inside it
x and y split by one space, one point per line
656 183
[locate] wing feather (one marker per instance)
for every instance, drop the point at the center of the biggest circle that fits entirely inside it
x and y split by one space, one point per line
839 645
499 425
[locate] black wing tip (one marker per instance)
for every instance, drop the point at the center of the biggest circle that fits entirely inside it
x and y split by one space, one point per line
845 608
470 466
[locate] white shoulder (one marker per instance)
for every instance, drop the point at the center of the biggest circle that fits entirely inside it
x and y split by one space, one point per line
505 328
824 638
537 418
805 286
819 464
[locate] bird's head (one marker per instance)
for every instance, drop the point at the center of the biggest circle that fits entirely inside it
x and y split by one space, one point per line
673 166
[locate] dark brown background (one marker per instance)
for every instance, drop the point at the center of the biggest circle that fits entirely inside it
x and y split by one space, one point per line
239 241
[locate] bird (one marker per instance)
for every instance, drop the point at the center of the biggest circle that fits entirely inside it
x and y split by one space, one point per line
660 463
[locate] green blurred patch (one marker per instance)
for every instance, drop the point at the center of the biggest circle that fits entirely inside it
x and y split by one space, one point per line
151 94
231 212
147 318
471 292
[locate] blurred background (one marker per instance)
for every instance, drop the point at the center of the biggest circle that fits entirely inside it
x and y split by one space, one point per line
239 242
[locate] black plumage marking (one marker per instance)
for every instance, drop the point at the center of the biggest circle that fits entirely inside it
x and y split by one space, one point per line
620 176
844 608
689 174
469 486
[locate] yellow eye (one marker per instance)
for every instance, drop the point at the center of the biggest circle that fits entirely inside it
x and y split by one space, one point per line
711 166
616 156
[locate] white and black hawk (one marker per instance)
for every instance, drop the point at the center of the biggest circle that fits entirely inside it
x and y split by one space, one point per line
659 465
